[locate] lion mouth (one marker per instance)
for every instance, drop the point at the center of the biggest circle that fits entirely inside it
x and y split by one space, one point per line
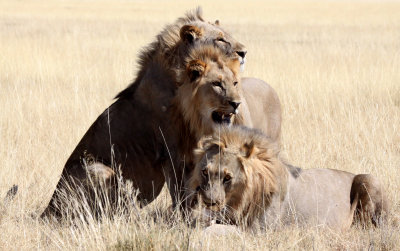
222 118
210 204
212 207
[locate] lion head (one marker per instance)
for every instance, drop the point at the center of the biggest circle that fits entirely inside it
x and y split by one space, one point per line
209 92
236 171
173 44
192 30
207 33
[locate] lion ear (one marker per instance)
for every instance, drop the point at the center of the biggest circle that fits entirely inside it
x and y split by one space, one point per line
198 154
248 149
195 69
189 33
201 147
217 22
208 143
203 142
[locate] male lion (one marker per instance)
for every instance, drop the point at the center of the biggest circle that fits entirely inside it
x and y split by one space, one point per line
240 179
209 94
130 133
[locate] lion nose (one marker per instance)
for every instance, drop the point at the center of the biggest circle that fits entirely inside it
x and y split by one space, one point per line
242 54
235 105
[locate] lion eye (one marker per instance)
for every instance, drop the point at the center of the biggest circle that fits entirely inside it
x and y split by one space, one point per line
221 40
235 83
217 84
204 172
227 179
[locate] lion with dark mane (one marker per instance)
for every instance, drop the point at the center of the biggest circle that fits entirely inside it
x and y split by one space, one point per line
240 179
135 132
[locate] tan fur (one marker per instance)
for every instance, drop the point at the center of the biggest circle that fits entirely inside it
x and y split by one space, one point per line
101 174
263 106
264 192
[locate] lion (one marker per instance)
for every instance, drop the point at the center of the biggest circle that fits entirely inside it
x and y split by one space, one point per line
134 133
240 179
209 94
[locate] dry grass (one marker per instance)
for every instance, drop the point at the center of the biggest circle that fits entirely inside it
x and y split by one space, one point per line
335 66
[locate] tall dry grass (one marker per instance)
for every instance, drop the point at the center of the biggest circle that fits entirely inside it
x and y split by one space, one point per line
335 66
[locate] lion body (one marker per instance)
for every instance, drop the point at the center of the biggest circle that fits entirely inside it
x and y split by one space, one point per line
264 192
322 197
130 133
261 107
319 197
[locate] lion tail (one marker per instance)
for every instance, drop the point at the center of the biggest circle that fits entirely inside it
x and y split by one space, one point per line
10 194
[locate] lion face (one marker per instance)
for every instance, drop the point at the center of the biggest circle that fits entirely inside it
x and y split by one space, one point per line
200 32
221 178
209 92
236 172
217 93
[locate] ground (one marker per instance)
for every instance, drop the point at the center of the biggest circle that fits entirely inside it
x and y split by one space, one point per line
334 65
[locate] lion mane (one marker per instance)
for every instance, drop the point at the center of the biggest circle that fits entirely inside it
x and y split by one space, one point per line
165 45
202 61
264 172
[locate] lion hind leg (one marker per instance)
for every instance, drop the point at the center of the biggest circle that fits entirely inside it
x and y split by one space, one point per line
10 194
368 199
86 184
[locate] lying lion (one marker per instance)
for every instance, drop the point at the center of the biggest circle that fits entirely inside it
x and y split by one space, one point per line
241 180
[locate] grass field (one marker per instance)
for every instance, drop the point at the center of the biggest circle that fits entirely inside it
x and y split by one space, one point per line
335 66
